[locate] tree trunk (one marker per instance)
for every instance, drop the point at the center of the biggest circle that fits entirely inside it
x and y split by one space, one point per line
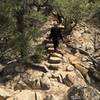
20 20
68 24
20 26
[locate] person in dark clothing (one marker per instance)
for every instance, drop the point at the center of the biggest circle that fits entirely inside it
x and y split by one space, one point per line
56 35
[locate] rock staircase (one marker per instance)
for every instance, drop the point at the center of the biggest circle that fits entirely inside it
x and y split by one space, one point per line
55 59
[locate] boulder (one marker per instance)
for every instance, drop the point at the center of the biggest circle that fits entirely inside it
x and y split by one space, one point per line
82 93
73 79
45 82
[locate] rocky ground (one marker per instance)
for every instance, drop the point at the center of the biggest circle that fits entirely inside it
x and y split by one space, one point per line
72 73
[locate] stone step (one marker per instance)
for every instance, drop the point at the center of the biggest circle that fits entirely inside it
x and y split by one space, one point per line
55 54
50 50
49 45
54 60
54 66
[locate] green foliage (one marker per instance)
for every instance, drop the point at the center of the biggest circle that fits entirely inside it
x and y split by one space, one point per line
32 20
75 9
38 54
6 18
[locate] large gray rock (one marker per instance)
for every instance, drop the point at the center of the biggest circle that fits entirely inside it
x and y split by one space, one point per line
74 79
70 67
45 82
82 93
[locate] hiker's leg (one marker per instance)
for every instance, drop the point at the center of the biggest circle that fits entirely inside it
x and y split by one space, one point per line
56 46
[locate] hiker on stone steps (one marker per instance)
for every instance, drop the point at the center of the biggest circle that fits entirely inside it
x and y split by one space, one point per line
56 35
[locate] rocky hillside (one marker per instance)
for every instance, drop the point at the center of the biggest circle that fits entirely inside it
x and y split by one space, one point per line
72 73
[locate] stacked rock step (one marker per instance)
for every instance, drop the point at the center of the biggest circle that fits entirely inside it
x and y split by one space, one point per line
54 66
55 54
49 45
54 60
50 50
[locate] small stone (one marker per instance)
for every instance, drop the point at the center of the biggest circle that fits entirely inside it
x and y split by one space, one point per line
82 93
70 67
84 58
